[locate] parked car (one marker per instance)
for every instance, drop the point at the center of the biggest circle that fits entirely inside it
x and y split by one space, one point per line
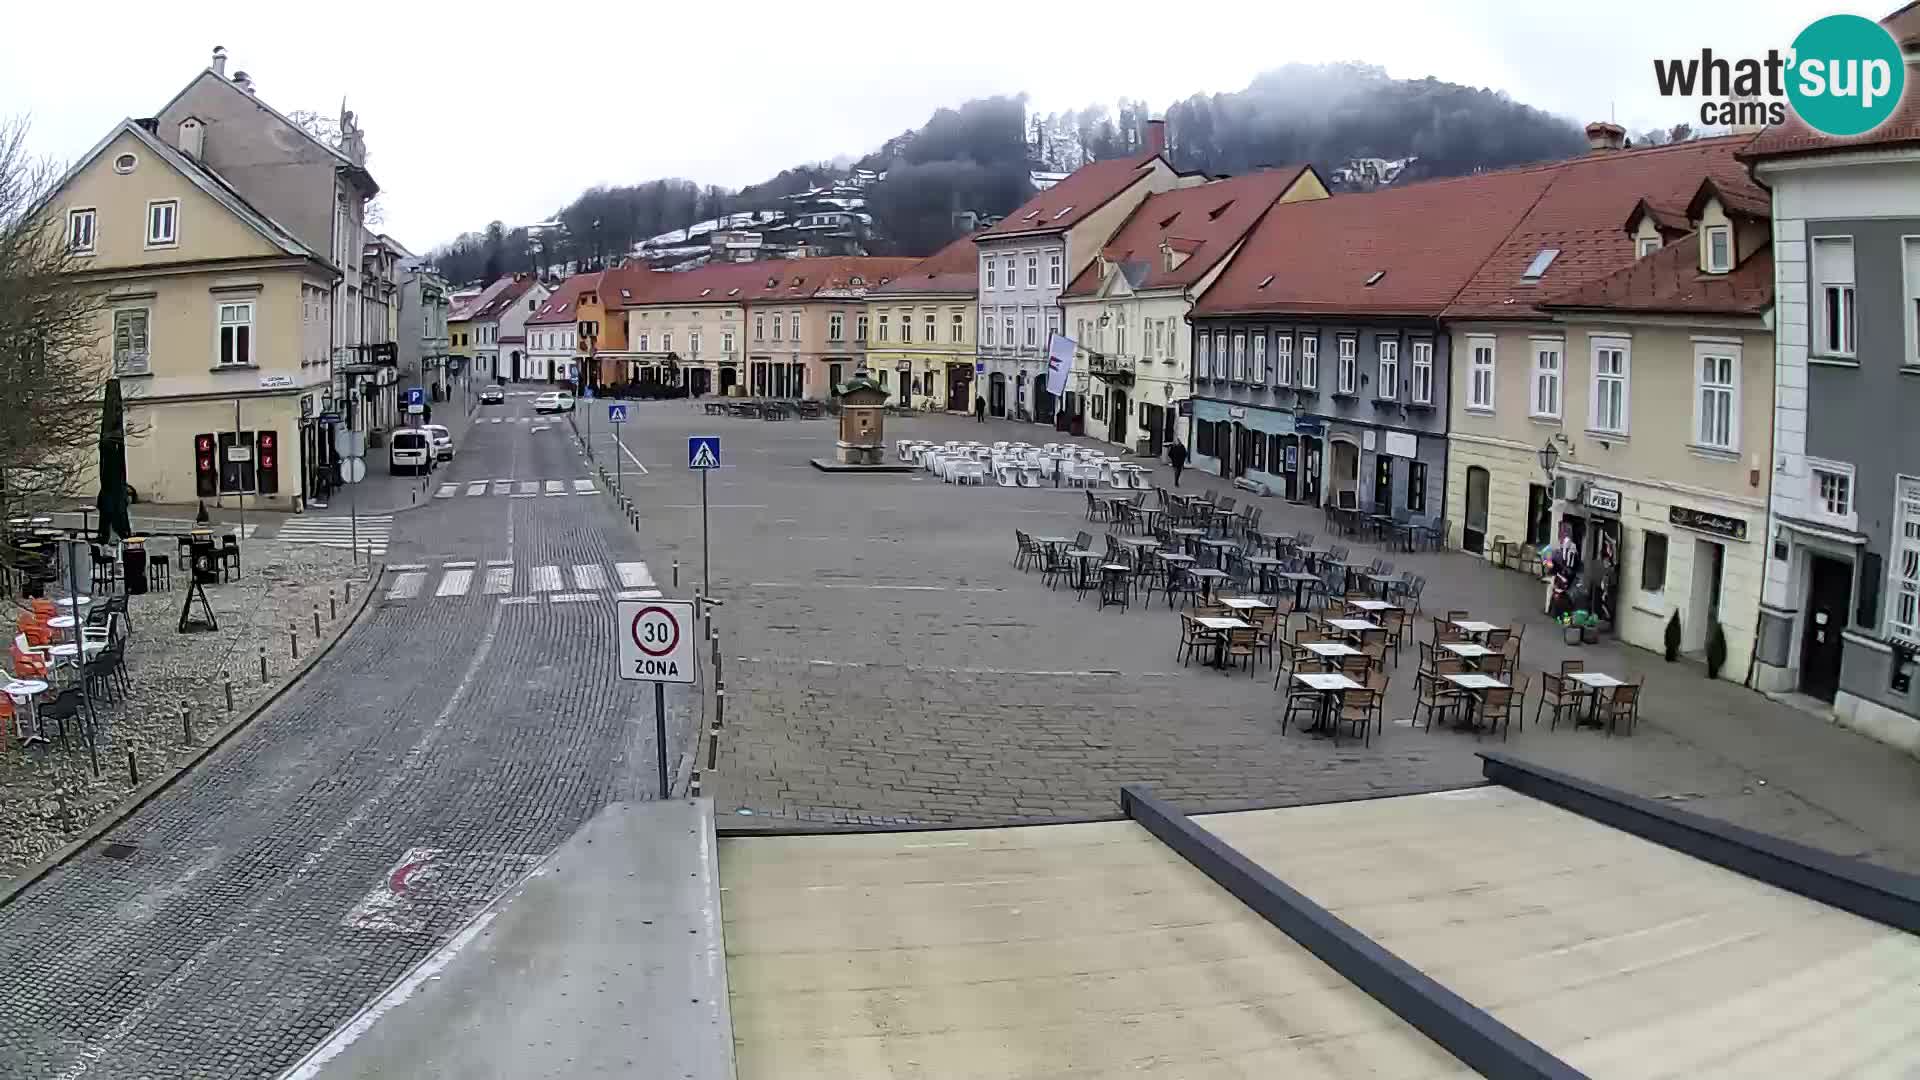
494 394
553 401
410 451
442 441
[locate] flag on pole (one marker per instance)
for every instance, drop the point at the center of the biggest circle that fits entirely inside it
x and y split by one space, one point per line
1060 350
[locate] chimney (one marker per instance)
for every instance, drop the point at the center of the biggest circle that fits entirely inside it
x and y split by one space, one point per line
1602 135
220 61
244 81
1156 136
193 135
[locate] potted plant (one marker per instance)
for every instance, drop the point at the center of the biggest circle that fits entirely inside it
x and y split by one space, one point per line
1716 650
1589 628
1673 638
1578 627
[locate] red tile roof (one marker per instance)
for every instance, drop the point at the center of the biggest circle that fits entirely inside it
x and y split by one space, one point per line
465 310
1315 257
1063 205
1205 222
517 287
768 281
563 305
1902 128
1580 214
850 276
1904 25
1670 281
953 269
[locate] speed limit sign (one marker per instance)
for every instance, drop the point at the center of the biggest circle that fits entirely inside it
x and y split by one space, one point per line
656 640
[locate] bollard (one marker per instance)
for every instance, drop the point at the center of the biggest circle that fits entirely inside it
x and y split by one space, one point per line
228 680
263 665
333 611
676 573
293 641
186 725
713 734
316 622
133 770
349 592
413 498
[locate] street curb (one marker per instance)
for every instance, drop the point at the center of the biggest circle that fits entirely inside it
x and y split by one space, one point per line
12 890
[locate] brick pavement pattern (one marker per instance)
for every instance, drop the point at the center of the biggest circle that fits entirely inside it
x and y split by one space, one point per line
442 748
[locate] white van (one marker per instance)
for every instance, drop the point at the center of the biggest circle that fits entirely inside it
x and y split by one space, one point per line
409 451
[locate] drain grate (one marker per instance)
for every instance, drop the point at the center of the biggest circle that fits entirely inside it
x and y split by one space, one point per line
119 851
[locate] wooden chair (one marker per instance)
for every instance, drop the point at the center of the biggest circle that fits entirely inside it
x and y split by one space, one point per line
1301 698
1361 708
1562 695
1243 643
1514 703
1621 703
1267 630
1497 640
1494 665
1193 638
1373 646
1356 667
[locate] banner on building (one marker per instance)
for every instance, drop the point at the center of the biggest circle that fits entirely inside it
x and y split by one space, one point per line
1060 350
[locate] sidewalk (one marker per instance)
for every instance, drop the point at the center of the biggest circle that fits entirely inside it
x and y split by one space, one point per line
382 492
1710 746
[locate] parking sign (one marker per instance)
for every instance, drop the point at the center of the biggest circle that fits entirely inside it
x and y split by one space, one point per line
656 641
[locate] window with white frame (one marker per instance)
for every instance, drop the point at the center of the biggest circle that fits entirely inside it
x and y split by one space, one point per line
130 341
163 220
793 324
1903 614
693 343
1033 331
777 324
1053 324
1006 267
1830 492
1548 360
959 327
1283 359
836 327
1346 369
80 230
641 342
1310 361
759 328
1389 385
1006 324
993 275
1120 337
726 343
1648 245
932 327
1033 269
1480 360
986 331
666 341
1423 372
886 327
1833 295
236 333
1220 356
1202 358
1260 358
1612 373
1240 357
1719 249
1053 269
859 328
1716 396
906 326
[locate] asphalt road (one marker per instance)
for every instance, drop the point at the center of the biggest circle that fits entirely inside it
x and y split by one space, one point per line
464 728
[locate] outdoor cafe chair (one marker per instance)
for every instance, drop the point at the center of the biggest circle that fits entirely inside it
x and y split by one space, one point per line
1193 637
1499 705
1361 708
1620 704
1560 696
1302 699
1179 582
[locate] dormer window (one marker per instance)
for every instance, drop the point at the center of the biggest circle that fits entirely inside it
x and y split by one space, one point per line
1214 214
1647 246
625 295
1538 267
857 280
733 292
1719 241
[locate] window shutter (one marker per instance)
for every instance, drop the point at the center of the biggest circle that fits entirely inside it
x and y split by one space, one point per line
1867 615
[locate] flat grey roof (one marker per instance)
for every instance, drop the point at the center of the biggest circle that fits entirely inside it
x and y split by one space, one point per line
1086 950
1622 957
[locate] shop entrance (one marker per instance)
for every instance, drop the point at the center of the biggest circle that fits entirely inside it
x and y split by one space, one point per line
1709 564
1829 588
1473 531
997 394
1311 462
1539 516
959 388
1118 412
1153 423
1346 473
1382 484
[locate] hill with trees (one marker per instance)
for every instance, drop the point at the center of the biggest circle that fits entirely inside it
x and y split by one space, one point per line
980 156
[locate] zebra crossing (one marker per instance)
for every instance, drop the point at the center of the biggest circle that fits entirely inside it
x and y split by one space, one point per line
373 532
514 420
516 489
574 583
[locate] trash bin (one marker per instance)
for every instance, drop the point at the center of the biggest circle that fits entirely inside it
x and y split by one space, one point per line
133 565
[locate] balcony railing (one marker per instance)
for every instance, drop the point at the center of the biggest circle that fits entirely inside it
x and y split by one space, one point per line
1110 365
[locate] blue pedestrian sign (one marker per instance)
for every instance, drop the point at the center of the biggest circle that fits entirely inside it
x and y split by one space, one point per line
416 395
588 391
703 451
617 413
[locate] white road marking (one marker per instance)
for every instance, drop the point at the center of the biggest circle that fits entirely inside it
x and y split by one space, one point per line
555 487
638 594
499 580
495 420
546 579
519 600
502 487
499 562
407 586
716 506
408 566
875 588
476 487
457 565
445 491
455 583
529 487
1095 673
584 487
589 576
573 597
634 575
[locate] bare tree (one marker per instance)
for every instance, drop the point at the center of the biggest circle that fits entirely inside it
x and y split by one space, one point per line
327 130
53 356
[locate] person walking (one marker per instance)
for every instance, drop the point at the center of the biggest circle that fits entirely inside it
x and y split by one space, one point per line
980 410
1177 457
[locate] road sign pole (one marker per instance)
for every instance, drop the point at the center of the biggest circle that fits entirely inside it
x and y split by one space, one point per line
706 553
660 732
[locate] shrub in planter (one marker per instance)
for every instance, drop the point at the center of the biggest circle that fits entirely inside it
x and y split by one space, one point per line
1673 638
1716 650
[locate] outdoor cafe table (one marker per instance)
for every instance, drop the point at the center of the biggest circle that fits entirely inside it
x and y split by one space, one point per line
1207 576
1474 684
1218 547
1595 681
1244 603
1383 582
27 689
1330 684
70 601
1474 626
1353 626
69 651
1372 605
1263 566
61 622
1220 625
1330 652
1467 650
1081 557
1300 580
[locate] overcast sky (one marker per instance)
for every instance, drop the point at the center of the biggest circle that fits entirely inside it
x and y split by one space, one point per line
474 112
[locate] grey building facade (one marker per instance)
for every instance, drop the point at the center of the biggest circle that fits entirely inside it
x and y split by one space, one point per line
422 341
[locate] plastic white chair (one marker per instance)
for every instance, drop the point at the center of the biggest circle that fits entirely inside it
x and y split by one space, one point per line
1030 476
1006 475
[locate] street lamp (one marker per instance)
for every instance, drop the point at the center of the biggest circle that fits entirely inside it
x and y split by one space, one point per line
1549 457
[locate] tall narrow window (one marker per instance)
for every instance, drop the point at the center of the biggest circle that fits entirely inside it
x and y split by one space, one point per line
1423 372
986 331
959 327
1389 369
759 328
931 327
1053 269
1347 366
1033 331
1717 397
1833 299
1239 358
993 275
1260 358
885 327
693 343
1903 614
1310 361
793 324
1545 401
80 230
1480 374
1719 249
777 323
1283 359
1006 324
162 219
860 328
1202 358
1221 356
236 334
836 327
906 326
130 341
1611 372
726 343
1033 269
1120 337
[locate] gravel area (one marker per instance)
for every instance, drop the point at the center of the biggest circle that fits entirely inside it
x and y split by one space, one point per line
48 793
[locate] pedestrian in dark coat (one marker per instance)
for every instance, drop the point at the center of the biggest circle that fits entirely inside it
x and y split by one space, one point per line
1177 457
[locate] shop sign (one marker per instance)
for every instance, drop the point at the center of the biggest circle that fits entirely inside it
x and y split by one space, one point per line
1186 407
1235 412
275 382
1309 425
1401 444
1686 517
1367 439
1606 500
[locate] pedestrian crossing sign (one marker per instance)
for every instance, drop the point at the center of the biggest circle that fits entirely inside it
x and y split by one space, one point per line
617 413
703 451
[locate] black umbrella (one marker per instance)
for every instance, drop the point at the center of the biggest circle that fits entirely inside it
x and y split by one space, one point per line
112 500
